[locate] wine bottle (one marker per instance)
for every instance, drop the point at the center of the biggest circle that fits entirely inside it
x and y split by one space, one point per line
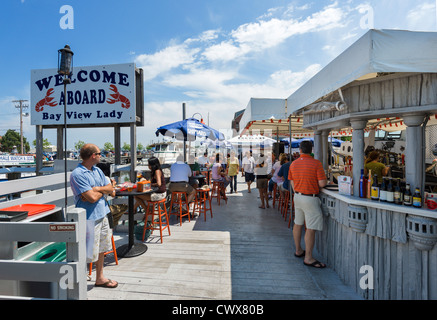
390 191
362 185
375 188
397 192
383 191
408 197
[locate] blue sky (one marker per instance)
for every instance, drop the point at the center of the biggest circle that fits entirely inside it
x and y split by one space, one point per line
212 55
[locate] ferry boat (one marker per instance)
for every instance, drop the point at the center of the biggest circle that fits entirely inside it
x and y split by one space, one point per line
167 152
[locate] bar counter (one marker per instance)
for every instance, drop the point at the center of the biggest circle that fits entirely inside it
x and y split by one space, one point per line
422 212
392 246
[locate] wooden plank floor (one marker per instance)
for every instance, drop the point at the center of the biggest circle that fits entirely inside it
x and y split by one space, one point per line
242 253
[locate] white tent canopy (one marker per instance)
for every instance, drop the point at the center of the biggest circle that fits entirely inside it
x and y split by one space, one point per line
252 140
270 117
378 51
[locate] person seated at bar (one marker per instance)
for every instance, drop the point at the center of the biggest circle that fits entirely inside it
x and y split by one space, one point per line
158 181
283 172
219 174
203 160
372 163
180 174
275 178
195 170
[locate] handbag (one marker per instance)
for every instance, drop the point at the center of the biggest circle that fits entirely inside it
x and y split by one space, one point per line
116 211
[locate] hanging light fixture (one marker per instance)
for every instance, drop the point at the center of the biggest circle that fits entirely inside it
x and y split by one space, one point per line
65 61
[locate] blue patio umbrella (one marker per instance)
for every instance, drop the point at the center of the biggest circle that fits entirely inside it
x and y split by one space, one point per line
189 130
294 142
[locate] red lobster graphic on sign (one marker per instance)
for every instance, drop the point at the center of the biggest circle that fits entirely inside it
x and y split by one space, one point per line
125 103
47 101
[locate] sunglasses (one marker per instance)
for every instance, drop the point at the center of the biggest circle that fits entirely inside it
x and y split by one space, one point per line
98 153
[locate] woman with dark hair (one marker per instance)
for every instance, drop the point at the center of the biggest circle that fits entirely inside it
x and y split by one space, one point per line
372 164
158 181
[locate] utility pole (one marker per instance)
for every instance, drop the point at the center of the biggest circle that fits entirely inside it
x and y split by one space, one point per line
22 105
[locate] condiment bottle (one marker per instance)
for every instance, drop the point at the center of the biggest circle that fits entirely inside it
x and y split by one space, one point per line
417 199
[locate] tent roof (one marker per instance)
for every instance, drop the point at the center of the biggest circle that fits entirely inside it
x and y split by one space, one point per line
263 115
378 51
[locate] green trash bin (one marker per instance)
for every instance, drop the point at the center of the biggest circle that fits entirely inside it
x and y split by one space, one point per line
55 252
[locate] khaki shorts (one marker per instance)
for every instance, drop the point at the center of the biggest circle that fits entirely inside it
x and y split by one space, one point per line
262 183
180 187
102 238
308 211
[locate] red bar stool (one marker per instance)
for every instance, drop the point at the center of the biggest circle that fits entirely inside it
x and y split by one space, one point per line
291 211
217 188
285 204
114 251
202 198
178 198
162 212
274 193
281 203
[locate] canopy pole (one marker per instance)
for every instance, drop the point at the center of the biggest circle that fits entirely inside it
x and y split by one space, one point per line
185 139
291 137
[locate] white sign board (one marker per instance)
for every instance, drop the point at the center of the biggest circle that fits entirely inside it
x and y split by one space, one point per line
96 95
6 160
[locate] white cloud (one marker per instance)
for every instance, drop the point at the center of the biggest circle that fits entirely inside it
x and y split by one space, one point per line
265 34
291 81
165 60
422 17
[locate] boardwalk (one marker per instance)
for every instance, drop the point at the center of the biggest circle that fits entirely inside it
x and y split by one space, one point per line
242 253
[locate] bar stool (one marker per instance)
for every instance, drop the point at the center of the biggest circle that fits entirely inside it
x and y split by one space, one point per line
114 251
285 204
274 194
217 187
207 174
176 198
291 210
202 197
161 213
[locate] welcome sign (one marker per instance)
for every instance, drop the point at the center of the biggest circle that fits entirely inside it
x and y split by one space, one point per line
96 95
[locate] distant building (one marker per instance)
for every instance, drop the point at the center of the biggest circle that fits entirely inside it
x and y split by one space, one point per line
236 122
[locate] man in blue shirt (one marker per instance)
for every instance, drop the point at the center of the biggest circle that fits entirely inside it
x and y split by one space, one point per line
89 187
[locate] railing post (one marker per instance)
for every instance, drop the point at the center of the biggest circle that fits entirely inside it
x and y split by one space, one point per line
76 252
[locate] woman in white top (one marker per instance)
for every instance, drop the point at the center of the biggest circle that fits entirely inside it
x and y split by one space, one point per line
217 171
275 170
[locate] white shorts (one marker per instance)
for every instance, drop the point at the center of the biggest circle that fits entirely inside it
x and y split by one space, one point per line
99 239
308 211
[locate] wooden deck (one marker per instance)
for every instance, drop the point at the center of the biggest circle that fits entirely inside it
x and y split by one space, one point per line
242 253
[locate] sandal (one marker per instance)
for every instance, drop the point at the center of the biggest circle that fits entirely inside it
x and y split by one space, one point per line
107 284
300 255
316 264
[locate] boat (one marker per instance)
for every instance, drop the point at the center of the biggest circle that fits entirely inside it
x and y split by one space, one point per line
167 152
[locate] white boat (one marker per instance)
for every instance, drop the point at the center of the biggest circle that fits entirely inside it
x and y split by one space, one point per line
167 152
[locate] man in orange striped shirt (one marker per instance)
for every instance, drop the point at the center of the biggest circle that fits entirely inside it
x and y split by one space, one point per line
306 177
